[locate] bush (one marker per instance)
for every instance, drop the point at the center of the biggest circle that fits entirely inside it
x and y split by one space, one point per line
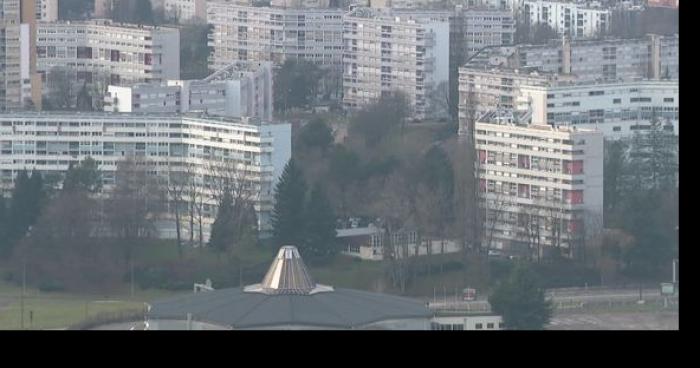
50 285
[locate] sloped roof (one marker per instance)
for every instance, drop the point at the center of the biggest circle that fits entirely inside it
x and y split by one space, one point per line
342 308
289 296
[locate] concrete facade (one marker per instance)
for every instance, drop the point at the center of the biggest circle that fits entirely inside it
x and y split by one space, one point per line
541 187
103 51
573 19
387 52
241 89
49 143
616 109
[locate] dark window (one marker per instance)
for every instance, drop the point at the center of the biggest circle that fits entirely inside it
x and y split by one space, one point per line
617 100
479 326
489 325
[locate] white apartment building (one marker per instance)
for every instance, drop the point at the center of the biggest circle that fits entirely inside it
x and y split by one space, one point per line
20 85
250 33
541 187
300 3
616 109
487 27
49 143
10 55
387 52
185 10
482 90
241 89
574 19
609 59
117 54
47 10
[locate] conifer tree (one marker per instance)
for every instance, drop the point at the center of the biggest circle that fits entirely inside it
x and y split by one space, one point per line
319 231
222 231
287 217
520 300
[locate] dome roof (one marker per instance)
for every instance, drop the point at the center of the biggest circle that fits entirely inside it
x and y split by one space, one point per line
288 296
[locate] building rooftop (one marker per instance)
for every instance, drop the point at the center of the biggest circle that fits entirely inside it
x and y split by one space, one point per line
286 297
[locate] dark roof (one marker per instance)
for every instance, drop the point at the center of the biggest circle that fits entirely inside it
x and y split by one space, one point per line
289 296
341 308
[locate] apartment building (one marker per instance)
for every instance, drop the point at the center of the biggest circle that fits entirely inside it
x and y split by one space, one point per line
541 187
486 27
172 143
185 10
388 51
10 56
573 19
115 54
241 89
276 34
482 90
47 10
616 109
20 85
609 59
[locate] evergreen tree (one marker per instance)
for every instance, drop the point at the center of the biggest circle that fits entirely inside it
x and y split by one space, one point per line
520 300
84 100
25 206
316 134
222 231
85 177
4 219
287 217
319 230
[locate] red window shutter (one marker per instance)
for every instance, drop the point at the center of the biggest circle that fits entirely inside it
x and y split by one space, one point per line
482 156
577 167
482 185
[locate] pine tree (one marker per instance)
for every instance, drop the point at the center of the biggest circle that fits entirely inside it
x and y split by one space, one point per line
222 231
84 177
520 300
25 206
319 231
4 218
287 217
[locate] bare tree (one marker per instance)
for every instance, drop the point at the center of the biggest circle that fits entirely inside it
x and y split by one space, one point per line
233 177
135 202
176 185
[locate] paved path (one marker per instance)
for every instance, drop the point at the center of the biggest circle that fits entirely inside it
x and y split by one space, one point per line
665 320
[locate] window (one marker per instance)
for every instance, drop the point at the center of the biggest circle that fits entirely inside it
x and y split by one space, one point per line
617 129
617 100
489 326
479 326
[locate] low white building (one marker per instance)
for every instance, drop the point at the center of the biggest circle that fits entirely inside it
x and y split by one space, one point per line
616 109
541 188
367 243
468 322
206 146
240 89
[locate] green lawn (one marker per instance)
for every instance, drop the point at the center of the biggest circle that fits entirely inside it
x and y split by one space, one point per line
58 310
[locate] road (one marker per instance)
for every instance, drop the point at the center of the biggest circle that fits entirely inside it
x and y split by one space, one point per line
564 298
664 320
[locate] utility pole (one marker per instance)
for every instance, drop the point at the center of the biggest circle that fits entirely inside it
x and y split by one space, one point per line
131 266
24 286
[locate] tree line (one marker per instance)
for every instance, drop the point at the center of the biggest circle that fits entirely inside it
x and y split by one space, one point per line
74 234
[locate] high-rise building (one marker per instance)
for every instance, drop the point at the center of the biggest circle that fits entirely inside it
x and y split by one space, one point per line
47 10
20 86
201 145
541 188
186 10
388 51
276 34
116 54
573 19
